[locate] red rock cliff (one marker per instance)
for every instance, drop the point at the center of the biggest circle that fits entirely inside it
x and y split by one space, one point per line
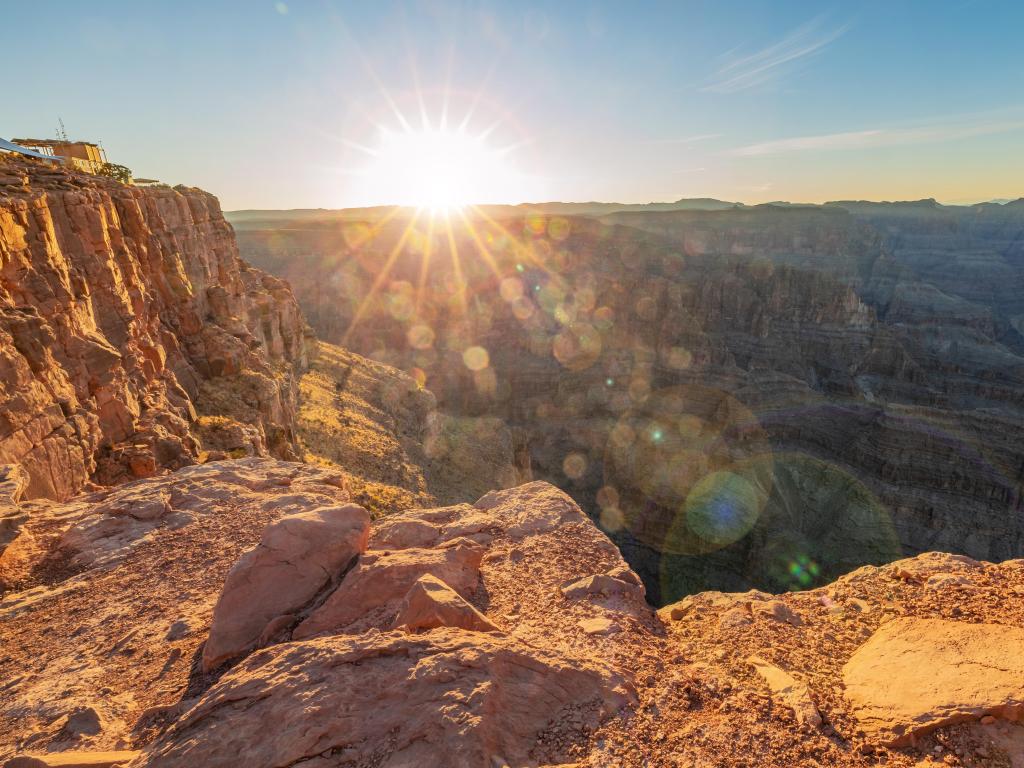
124 312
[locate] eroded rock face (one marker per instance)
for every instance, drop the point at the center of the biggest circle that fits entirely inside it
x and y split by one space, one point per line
123 311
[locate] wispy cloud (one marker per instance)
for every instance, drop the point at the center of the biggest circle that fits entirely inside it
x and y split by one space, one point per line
742 72
948 129
686 139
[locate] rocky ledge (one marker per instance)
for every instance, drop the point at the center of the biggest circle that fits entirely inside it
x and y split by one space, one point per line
248 613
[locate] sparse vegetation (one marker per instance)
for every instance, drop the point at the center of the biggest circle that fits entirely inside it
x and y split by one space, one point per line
117 172
346 420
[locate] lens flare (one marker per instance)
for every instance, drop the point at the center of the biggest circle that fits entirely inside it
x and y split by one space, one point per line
476 358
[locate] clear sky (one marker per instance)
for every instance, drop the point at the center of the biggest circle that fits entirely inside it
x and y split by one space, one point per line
297 104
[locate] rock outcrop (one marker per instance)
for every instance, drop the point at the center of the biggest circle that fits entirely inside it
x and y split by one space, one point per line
505 632
297 557
126 315
431 603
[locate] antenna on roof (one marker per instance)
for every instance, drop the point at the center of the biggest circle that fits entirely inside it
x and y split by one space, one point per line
61 133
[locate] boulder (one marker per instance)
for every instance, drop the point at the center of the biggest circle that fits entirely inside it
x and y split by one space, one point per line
602 584
381 579
432 603
917 674
298 555
529 509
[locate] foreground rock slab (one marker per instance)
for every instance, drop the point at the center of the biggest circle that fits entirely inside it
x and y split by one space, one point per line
448 697
111 610
103 640
916 674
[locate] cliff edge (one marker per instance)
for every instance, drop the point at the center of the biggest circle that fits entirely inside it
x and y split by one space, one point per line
130 329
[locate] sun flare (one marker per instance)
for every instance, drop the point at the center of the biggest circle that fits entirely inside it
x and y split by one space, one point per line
439 169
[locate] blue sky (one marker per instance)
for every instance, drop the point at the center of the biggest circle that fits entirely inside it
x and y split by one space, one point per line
272 104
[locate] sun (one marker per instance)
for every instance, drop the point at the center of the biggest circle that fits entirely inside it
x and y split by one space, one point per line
438 169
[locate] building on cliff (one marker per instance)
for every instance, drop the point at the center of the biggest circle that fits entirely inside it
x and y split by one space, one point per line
80 155
16 149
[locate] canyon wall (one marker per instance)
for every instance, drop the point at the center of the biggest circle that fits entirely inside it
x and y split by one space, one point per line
128 325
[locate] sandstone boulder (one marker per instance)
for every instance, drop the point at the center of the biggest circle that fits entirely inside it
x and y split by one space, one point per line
381 579
603 584
297 556
916 674
529 509
432 603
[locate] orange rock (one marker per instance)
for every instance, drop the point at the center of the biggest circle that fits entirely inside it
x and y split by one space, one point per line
432 603
449 697
296 557
381 580
73 759
916 674
787 689
127 301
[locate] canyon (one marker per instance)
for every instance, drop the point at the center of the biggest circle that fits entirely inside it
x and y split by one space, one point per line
609 488
743 397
